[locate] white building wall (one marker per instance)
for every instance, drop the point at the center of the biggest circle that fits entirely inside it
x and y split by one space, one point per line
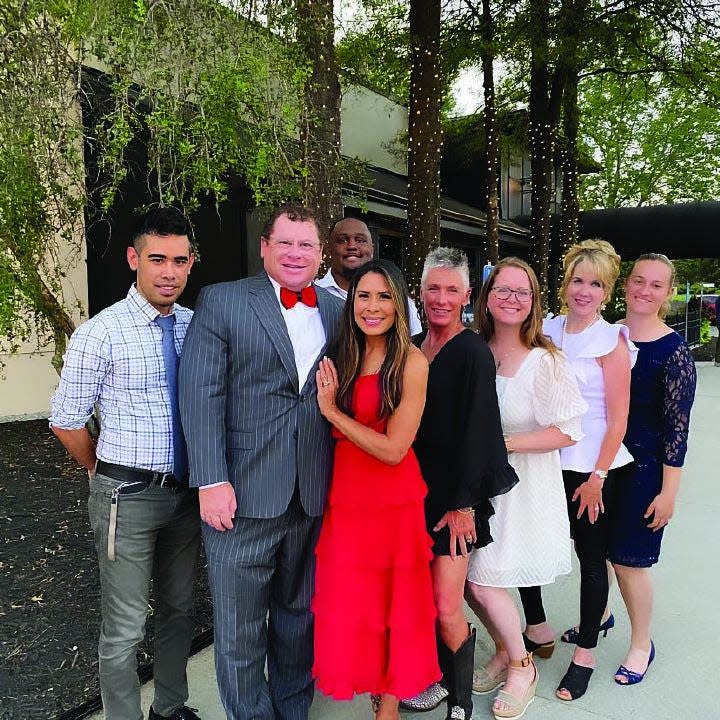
371 126
28 378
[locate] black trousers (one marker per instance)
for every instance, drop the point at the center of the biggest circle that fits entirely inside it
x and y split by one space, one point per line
591 544
533 609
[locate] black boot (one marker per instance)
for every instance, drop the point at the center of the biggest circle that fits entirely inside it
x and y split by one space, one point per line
457 669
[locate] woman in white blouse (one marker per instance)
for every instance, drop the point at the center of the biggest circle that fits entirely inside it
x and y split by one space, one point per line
601 356
540 408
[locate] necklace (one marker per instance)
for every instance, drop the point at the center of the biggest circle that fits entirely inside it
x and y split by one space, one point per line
508 354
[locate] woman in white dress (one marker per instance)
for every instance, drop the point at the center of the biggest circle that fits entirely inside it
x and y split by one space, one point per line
540 408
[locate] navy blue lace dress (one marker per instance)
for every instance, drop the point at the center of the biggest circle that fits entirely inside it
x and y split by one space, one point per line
662 391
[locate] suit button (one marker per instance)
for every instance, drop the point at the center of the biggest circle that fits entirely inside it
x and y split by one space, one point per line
302 398
295 433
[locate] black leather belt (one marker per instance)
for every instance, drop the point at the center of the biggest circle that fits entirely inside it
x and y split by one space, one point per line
137 475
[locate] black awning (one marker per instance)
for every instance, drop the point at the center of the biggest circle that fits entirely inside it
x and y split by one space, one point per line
690 230
386 193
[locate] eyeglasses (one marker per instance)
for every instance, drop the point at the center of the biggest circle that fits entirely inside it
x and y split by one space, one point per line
304 246
521 294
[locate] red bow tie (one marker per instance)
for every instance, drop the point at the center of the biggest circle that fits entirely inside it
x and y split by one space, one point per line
290 298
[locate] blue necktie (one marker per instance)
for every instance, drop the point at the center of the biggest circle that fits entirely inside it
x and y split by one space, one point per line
180 463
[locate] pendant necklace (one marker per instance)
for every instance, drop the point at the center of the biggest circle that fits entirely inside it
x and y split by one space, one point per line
500 361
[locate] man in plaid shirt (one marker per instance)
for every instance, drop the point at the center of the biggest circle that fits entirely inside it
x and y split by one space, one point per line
145 520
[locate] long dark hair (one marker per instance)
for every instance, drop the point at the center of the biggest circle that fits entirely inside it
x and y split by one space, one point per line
351 341
531 334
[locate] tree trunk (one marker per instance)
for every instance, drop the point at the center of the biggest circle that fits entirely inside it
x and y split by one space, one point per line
491 138
569 206
541 142
321 133
425 138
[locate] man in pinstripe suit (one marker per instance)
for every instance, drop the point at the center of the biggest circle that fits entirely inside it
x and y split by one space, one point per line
261 454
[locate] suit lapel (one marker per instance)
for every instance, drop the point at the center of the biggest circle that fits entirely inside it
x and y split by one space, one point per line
265 304
328 314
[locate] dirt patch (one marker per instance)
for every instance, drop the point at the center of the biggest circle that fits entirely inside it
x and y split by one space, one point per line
49 587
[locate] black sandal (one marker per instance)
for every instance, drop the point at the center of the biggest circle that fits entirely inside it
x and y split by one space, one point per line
575 681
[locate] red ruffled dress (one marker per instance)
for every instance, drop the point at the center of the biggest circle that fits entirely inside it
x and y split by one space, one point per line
373 604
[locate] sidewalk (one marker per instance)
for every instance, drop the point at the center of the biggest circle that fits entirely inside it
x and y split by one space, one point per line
680 682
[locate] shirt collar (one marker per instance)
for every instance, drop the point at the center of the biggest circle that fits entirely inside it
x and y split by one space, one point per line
328 281
143 307
276 287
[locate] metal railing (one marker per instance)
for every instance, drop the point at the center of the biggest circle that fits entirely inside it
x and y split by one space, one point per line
687 324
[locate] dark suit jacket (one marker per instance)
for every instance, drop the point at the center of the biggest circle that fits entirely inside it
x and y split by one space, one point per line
245 418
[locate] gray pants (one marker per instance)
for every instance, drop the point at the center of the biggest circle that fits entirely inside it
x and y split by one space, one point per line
156 538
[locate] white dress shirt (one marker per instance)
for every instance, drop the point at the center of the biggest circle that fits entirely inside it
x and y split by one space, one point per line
307 334
328 282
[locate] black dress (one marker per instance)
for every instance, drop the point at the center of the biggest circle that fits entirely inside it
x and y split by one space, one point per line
459 443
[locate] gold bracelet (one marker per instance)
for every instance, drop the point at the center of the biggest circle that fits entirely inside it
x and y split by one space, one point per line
508 444
467 511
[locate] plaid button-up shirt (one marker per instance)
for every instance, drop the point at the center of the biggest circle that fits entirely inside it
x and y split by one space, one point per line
115 359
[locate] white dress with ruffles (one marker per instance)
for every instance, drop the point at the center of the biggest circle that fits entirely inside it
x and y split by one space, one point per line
582 350
530 529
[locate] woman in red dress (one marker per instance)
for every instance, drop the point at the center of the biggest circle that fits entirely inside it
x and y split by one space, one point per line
373 604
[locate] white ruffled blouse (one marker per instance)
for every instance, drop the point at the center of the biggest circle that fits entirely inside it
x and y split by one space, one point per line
582 350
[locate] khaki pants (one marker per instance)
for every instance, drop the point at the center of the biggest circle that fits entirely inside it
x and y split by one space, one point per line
156 538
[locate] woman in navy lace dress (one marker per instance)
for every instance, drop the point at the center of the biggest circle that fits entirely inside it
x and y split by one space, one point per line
661 396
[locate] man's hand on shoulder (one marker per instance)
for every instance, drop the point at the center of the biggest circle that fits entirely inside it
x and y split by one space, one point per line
218 505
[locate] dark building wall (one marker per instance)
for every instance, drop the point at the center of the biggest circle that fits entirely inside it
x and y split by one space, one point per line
220 232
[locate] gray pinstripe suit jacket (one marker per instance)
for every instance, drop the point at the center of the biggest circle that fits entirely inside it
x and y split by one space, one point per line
245 418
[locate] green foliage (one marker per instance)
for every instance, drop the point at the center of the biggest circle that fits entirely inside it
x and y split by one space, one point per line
41 172
211 92
217 95
705 270
376 49
705 335
656 142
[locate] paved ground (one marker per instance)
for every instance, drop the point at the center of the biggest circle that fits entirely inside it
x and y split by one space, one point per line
682 682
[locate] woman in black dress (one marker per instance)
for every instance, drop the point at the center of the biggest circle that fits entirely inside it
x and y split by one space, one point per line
462 457
661 397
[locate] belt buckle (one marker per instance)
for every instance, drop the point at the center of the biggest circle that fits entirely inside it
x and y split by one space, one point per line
166 480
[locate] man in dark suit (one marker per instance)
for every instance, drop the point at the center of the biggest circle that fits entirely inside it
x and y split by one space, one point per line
261 454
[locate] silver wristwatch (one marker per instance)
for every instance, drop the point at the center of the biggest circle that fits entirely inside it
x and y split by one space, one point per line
602 474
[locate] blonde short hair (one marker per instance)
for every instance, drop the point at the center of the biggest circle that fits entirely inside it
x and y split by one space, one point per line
603 259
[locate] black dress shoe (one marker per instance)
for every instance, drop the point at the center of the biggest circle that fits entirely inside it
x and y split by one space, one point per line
182 713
